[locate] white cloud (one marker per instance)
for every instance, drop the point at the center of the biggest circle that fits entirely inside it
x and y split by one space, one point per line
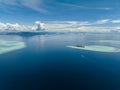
13 27
32 4
40 26
17 27
116 21
85 7
79 23
63 26
38 5
77 27
104 21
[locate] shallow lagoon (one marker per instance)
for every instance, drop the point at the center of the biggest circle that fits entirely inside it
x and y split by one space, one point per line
7 46
47 64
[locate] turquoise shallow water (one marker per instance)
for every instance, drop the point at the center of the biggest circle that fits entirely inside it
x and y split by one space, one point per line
7 46
45 63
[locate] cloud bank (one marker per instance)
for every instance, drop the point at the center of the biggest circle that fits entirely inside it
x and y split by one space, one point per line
65 26
104 25
6 27
13 27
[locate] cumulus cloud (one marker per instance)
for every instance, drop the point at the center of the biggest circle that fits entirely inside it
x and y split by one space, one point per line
13 27
6 27
40 26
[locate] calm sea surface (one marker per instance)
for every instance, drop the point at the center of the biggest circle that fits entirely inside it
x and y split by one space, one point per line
47 64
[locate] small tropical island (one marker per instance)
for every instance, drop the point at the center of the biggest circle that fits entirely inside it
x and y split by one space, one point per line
96 48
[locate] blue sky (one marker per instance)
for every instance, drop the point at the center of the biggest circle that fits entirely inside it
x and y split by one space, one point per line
28 11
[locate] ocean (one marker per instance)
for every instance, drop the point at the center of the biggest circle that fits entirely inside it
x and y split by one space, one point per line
46 63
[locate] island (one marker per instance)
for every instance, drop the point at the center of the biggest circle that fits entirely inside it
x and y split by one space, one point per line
96 48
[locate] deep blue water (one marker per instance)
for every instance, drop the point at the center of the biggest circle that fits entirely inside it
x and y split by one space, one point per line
47 64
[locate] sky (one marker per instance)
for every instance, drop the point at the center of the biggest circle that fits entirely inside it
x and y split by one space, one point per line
61 15
28 11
